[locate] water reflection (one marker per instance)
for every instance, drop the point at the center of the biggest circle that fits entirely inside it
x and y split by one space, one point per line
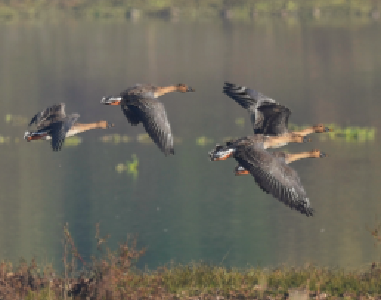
323 73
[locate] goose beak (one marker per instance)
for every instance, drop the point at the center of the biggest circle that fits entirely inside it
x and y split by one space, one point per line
111 100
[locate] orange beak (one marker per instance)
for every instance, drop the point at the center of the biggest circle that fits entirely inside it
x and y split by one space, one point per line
115 103
36 137
244 172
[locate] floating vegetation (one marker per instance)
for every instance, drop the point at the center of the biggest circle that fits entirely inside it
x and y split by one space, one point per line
240 122
130 167
115 138
203 141
5 140
16 120
349 134
73 141
144 138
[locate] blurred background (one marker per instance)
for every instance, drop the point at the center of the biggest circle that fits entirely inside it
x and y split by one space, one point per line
322 59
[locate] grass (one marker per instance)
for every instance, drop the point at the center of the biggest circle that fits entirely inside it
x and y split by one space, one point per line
238 9
114 276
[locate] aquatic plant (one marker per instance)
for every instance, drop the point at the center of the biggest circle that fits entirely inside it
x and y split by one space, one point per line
131 167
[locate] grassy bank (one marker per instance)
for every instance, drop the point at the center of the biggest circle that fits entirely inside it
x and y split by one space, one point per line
114 276
239 9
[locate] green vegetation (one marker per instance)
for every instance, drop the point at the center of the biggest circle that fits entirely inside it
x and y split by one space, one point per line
240 9
130 167
203 141
114 276
16 120
72 141
115 138
348 134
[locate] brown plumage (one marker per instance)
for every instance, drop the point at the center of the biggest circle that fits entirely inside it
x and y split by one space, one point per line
267 116
140 105
270 170
53 124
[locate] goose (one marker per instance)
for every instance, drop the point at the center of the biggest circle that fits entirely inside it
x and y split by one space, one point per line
267 116
270 170
140 105
53 124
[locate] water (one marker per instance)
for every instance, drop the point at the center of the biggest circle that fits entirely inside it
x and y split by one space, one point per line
184 207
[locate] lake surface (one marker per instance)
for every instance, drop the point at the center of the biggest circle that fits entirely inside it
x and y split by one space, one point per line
184 207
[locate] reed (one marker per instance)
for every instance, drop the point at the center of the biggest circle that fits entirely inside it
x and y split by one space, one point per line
113 275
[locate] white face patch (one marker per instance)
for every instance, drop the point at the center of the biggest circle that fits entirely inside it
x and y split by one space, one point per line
224 153
240 168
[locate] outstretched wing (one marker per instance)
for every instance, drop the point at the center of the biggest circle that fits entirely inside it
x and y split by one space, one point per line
274 119
58 131
48 116
155 121
249 99
245 97
132 113
274 177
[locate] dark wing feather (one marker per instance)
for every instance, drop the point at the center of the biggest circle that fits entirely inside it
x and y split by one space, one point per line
245 97
48 116
132 113
59 130
249 99
155 121
58 134
274 119
274 177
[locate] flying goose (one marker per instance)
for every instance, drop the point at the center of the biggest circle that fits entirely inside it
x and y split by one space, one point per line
267 116
140 105
53 124
270 170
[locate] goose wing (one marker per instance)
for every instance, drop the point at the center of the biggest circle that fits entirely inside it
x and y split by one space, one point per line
131 112
154 118
249 99
58 131
274 119
48 116
274 177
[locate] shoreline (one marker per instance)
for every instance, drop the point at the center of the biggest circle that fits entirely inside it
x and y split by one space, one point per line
192 9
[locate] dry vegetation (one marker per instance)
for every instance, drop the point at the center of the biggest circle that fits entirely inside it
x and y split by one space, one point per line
114 276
